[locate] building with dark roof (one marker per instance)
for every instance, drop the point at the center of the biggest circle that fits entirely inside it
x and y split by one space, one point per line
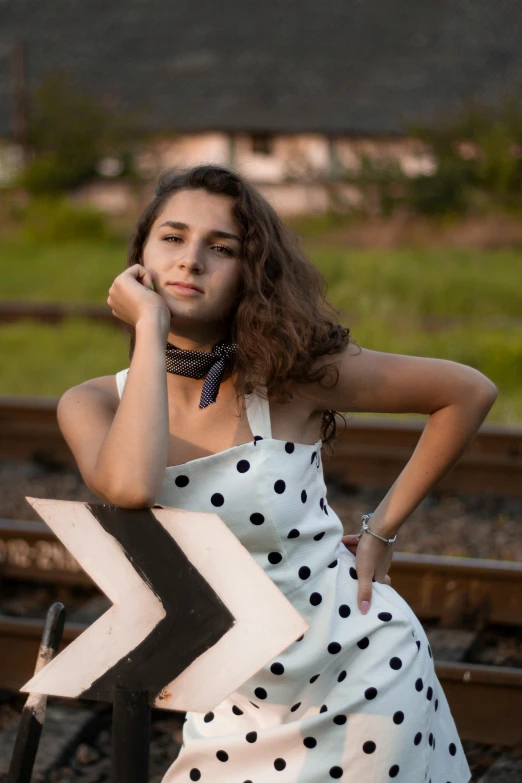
279 88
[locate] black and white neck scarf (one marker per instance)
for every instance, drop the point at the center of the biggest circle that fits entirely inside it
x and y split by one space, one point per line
196 364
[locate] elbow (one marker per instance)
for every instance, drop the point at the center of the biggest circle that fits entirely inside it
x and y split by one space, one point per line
484 394
127 498
488 391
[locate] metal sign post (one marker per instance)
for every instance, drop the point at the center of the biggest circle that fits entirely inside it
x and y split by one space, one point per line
33 713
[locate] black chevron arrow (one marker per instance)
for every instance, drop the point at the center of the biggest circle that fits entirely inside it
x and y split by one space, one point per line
195 620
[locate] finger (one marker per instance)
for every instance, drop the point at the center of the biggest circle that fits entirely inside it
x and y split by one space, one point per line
145 278
364 596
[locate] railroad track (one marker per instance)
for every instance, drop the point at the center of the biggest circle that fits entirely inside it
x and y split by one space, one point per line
55 312
459 600
369 452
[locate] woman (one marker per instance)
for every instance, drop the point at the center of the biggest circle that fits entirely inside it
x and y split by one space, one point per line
237 369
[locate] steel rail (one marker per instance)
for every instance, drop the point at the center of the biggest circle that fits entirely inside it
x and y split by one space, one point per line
369 452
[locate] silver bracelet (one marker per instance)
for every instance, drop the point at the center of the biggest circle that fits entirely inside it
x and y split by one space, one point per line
366 529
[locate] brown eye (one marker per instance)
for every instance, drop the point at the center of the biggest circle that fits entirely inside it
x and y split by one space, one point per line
225 248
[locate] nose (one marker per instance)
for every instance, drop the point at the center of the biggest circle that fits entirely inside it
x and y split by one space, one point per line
192 258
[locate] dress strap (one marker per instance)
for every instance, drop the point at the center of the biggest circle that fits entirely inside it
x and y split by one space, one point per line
258 413
121 377
257 408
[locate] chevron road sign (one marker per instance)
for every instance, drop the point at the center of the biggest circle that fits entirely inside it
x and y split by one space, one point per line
193 615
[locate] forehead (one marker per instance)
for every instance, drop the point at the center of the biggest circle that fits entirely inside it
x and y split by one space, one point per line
200 210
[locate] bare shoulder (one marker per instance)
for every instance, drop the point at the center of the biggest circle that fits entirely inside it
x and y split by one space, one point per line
103 389
364 380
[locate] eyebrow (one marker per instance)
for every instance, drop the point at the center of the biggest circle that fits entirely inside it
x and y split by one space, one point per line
213 232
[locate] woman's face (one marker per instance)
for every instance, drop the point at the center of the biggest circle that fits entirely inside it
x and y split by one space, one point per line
195 240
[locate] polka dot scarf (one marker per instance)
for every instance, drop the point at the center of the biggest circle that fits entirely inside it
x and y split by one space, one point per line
196 364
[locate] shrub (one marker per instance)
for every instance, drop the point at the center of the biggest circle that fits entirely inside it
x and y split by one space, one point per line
57 220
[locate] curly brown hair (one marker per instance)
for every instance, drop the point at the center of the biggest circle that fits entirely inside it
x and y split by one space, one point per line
282 321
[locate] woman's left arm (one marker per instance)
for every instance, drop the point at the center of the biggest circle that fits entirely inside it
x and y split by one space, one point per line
457 399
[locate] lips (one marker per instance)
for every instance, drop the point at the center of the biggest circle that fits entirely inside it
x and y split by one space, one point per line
185 285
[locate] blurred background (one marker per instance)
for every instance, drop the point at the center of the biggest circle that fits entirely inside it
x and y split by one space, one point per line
389 136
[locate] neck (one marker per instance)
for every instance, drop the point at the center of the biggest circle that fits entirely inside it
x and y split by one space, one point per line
204 341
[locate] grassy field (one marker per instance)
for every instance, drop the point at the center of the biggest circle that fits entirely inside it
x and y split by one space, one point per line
463 305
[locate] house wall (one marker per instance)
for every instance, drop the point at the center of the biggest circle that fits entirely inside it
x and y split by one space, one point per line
296 172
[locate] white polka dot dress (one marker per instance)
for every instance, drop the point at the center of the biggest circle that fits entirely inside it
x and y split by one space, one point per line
356 697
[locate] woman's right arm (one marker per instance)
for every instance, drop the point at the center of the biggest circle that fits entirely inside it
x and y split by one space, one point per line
122 451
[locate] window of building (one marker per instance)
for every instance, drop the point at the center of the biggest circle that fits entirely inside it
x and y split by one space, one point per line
262 143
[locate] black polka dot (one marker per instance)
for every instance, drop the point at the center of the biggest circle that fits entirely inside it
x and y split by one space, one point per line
304 572
217 499
314 678
303 496
300 638
274 557
277 668
256 518
325 510
243 465
452 748
395 663
344 610
321 503
315 599
208 717
417 738
318 536
430 739
334 647
429 650
369 746
340 720
336 772
294 533
251 736
436 705
342 676
254 705
256 438
236 710
182 481
222 755
429 693
363 643
398 717
279 486
314 454
384 616
370 693
289 447
394 771
295 707
353 573
324 708
332 564
418 645
279 764
309 742
195 774
419 685
260 693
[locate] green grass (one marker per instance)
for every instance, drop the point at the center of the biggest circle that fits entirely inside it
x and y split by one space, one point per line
41 359
80 271
383 295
